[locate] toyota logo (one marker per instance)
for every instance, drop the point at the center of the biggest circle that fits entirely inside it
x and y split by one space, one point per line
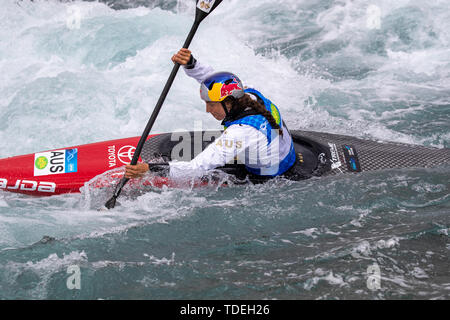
125 154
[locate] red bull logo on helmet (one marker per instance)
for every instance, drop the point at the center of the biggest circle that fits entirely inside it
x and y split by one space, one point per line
220 85
227 89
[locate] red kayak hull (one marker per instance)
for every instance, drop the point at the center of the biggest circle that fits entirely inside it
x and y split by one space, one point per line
64 170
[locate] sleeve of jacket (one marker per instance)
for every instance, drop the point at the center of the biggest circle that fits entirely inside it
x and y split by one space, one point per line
199 72
231 145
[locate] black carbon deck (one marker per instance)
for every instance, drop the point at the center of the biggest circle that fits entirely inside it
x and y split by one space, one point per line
375 155
371 155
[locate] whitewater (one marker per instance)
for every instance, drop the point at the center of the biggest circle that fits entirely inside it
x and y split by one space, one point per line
76 72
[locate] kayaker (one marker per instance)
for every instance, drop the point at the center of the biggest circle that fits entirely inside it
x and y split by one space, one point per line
255 134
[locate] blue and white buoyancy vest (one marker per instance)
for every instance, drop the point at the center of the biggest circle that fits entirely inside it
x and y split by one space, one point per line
286 146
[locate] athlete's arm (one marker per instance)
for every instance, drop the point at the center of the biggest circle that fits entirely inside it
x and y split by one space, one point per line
140 169
136 171
191 66
230 145
222 151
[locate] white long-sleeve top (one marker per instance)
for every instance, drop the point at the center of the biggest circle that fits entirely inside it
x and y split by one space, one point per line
240 142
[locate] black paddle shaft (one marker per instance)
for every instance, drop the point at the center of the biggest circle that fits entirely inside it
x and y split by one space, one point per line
160 102
200 14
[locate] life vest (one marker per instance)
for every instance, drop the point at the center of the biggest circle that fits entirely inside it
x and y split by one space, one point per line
260 123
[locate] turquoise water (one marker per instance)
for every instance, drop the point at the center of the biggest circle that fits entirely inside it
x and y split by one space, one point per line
332 66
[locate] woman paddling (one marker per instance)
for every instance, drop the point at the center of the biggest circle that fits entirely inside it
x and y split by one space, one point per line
255 134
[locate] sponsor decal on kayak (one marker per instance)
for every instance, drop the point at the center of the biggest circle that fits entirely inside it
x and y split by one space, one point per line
55 162
351 158
112 156
322 158
335 162
205 5
41 162
29 185
125 154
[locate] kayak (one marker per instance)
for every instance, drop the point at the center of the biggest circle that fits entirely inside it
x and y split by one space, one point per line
66 170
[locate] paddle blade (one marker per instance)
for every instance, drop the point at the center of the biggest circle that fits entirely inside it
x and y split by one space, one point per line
205 7
111 203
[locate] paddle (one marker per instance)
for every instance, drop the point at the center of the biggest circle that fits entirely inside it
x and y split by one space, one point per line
204 8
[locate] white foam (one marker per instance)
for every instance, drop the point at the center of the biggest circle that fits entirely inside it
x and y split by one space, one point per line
63 87
310 232
3 203
44 268
322 275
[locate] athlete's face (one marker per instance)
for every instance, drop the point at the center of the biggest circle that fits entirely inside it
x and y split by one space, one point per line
216 109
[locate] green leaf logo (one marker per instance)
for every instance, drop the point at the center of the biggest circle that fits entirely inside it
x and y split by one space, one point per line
41 162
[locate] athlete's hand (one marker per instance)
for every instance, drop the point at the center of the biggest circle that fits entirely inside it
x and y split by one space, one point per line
137 171
182 57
